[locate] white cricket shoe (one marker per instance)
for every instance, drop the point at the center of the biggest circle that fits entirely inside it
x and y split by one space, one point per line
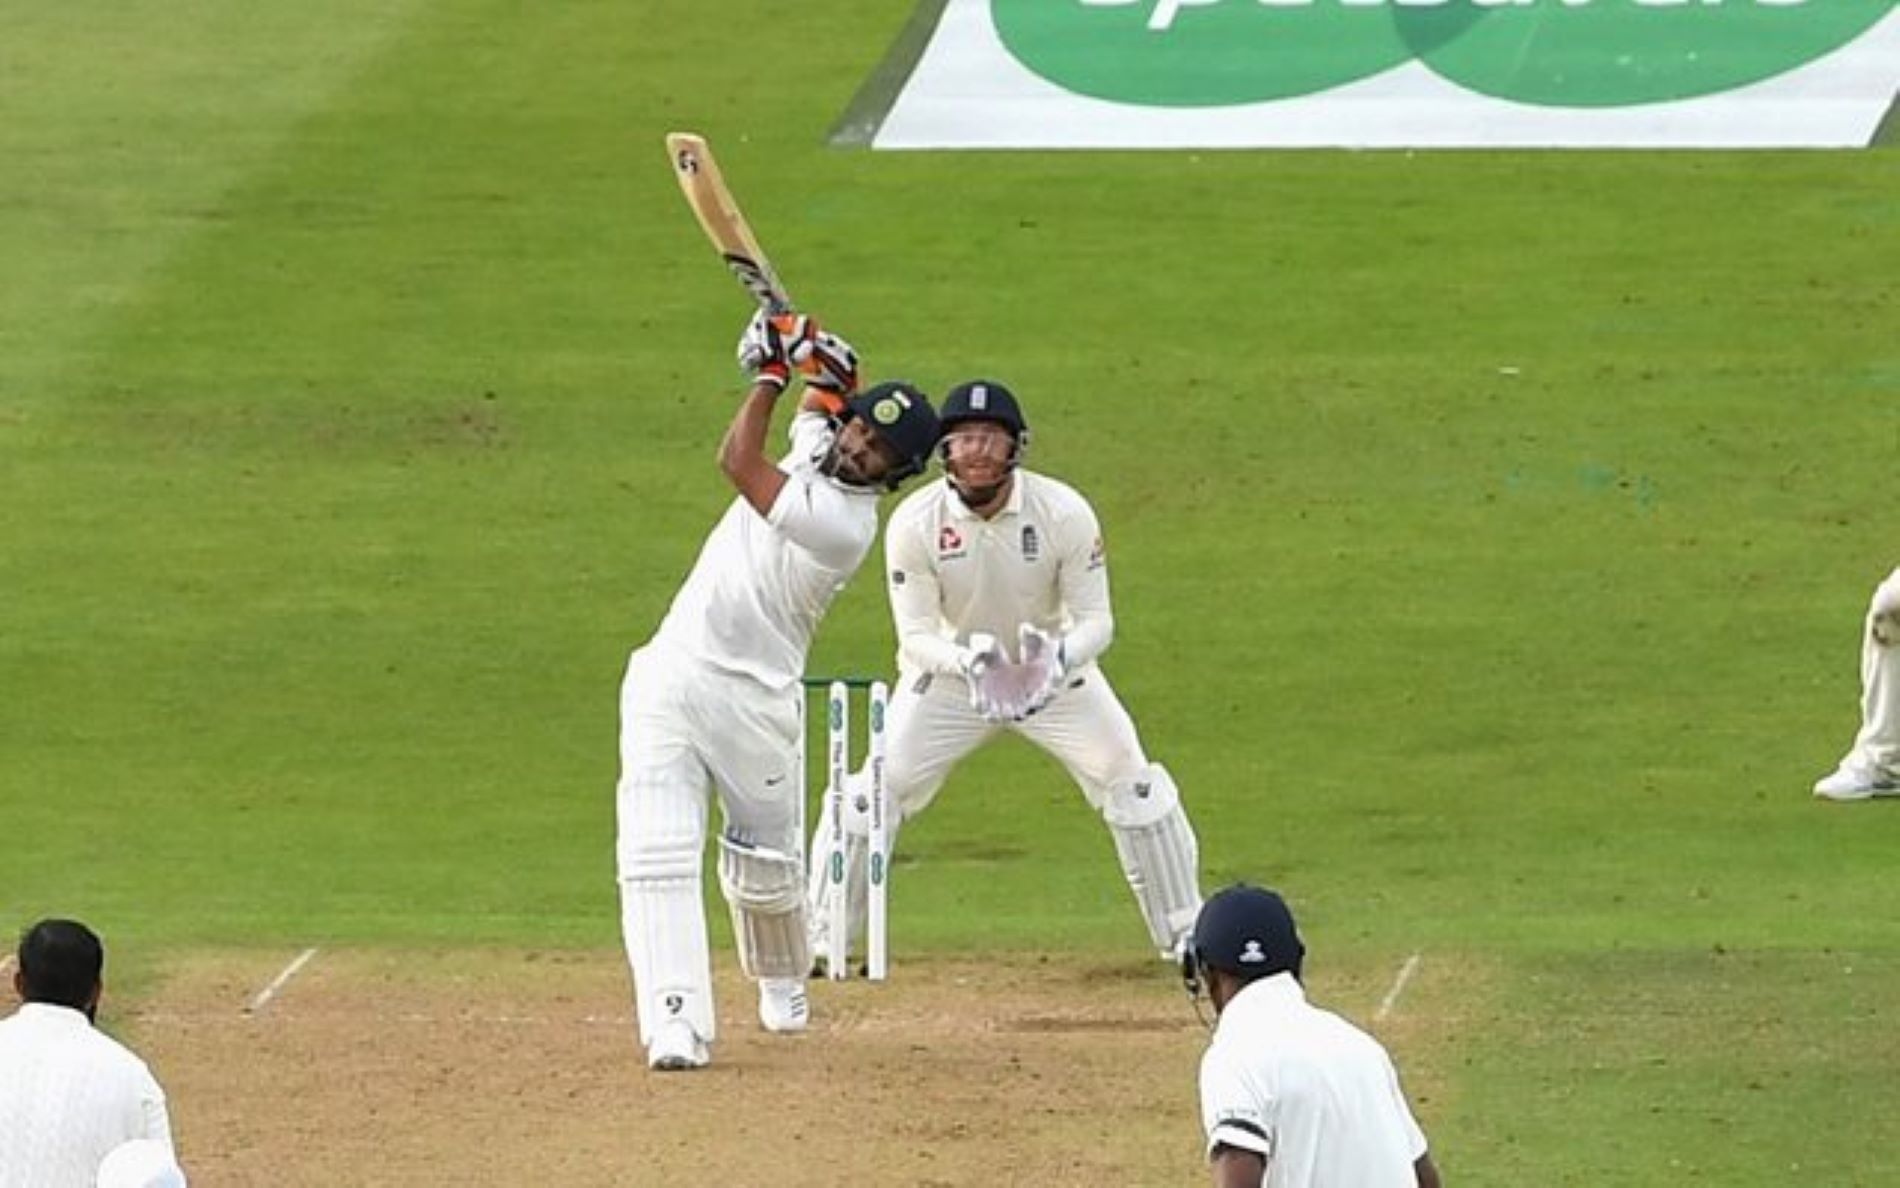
676 1047
783 1004
1857 781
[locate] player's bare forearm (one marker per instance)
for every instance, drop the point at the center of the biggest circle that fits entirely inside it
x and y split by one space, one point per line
1427 1172
1235 1168
742 451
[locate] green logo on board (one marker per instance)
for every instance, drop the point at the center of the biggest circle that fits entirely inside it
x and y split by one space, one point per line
1555 53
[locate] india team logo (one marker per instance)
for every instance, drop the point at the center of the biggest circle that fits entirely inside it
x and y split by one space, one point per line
1553 53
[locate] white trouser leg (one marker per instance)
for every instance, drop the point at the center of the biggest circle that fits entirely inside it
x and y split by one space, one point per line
660 810
1878 744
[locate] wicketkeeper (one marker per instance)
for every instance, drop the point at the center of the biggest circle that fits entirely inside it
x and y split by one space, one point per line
713 698
998 583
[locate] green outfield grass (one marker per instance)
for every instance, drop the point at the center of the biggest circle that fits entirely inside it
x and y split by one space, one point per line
1489 532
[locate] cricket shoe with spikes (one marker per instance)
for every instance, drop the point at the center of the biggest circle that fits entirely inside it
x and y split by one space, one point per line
783 1005
676 1047
1857 781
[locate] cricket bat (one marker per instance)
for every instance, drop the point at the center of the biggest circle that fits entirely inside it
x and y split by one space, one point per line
705 189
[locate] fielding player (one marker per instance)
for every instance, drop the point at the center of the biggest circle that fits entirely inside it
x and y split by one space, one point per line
69 1094
1872 765
713 697
1292 1096
999 552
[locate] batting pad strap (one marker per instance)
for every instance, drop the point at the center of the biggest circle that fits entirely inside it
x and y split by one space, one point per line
1161 862
1141 800
758 876
658 860
765 889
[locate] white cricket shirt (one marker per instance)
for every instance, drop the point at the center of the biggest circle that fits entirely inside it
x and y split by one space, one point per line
69 1094
951 573
762 583
1314 1095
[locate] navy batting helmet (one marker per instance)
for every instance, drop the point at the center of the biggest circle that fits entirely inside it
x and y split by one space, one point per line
901 416
1245 931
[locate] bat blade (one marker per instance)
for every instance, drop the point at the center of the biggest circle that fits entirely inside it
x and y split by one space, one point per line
706 192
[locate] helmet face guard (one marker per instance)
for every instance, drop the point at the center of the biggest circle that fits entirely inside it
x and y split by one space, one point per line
988 402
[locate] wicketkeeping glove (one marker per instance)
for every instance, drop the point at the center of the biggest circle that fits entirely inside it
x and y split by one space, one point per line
982 656
1042 659
1884 623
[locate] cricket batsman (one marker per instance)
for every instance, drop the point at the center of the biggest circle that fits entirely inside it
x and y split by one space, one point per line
712 700
999 553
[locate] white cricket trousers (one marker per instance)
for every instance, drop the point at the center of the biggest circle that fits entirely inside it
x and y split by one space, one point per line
686 727
933 728
1877 746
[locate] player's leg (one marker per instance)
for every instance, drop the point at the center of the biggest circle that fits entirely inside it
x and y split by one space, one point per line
929 727
1088 730
751 746
660 811
1872 765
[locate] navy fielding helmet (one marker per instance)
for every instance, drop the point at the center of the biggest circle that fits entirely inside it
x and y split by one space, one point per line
985 400
901 416
1245 931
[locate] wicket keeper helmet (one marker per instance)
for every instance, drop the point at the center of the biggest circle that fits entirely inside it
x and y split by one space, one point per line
1245 931
983 400
901 416
986 400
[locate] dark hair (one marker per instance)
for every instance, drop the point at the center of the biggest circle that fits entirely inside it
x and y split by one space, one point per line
60 963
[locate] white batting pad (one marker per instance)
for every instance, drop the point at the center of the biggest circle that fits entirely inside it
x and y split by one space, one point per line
1142 800
1159 855
764 889
662 918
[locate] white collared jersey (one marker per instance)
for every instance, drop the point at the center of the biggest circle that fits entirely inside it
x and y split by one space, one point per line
952 573
762 583
1307 1090
69 1094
